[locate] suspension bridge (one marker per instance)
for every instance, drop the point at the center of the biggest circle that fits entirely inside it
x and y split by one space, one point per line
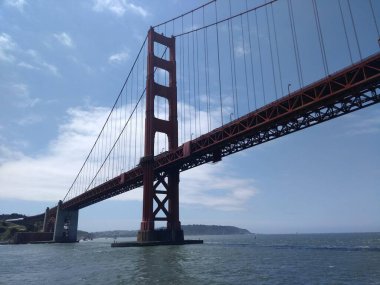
214 81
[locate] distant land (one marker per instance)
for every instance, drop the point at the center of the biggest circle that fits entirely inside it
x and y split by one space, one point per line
8 229
188 230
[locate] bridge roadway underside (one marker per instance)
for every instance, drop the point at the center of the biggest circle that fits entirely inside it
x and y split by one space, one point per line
343 92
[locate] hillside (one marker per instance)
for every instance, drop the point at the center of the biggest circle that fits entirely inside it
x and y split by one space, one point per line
8 229
213 230
13 225
4 217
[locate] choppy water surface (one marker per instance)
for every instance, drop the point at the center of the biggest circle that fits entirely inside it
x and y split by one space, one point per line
266 259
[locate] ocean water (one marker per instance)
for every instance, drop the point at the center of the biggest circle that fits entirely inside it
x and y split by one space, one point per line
237 259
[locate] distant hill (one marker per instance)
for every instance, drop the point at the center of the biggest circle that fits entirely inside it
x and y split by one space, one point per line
187 229
110 234
213 230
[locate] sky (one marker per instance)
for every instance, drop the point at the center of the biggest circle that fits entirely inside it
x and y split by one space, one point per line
62 65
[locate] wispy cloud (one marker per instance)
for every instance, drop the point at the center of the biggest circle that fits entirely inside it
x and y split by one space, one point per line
20 95
241 50
64 39
8 154
119 57
41 63
119 7
28 59
137 9
7 46
29 120
27 65
18 4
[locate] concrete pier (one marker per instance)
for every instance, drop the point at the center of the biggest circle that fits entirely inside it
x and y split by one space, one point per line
66 225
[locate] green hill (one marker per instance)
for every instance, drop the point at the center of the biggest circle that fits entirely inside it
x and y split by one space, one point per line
8 229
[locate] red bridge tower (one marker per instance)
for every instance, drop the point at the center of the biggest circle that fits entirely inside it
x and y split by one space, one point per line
160 204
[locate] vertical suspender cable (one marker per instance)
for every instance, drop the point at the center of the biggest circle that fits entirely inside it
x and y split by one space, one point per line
126 133
183 101
198 84
130 129
205 44
219 76
189 83
295 44
245 61
234 65
271 52
251 52
345 31
119 128
108 139
137 98
230 45
320 38
375 21
354 27
193 63
261 63
114 151
278 55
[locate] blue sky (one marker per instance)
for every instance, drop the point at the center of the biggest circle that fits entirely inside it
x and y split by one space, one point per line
62 65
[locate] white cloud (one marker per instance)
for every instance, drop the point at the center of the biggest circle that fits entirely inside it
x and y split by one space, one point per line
48 176
41 63
210 185
119 57
64 39
18 4
7 46
119 7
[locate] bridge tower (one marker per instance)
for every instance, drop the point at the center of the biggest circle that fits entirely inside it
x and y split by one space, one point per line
160 197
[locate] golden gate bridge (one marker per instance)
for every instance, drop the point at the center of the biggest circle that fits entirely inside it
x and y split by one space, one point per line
216 80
